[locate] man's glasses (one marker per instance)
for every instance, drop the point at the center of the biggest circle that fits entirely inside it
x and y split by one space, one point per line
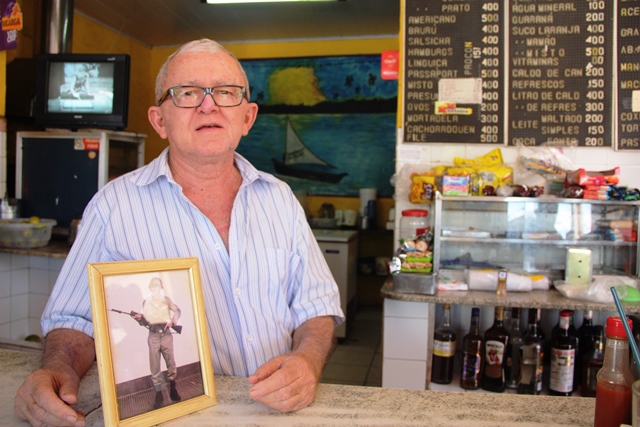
193 96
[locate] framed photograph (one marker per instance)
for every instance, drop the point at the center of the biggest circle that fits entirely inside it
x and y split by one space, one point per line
152 344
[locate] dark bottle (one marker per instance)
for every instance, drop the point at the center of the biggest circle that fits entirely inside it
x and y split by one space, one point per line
444 349
586 338
472 354
532 356
564 348
512 367
591 364
496 340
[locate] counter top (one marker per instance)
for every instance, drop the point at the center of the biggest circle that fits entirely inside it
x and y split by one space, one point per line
55 249
335 405
551 299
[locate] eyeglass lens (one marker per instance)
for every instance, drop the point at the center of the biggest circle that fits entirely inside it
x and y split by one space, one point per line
193 96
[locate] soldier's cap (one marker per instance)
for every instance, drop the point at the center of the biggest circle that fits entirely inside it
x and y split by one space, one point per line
155 283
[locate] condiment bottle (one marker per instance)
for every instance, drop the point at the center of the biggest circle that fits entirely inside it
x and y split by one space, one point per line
444 349
591 364
512 367
532 358
586 341
564 348
613 394
472 354
496 340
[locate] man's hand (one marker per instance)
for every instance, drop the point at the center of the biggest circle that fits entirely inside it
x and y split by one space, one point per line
45 396
289 382
286 383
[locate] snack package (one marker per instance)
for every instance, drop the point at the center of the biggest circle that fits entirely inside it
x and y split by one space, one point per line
423 188
480 176
414 255
593 178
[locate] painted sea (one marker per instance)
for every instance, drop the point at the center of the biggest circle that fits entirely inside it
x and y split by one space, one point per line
362 145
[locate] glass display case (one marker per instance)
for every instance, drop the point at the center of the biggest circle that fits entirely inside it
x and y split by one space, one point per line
532 235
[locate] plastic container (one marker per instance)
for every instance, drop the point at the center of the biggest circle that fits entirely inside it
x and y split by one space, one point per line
20 233
413 223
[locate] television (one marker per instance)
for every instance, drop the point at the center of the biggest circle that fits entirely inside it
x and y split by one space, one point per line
75 91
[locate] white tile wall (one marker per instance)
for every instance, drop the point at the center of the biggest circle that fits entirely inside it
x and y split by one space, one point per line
25 286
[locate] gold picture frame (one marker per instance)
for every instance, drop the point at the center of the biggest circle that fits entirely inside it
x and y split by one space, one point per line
135 389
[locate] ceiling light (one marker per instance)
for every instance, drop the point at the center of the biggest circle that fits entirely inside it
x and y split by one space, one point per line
256 1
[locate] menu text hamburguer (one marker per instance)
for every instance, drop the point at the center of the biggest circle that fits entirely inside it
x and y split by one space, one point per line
449 47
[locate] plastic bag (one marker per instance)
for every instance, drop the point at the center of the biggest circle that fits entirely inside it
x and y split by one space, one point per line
599 290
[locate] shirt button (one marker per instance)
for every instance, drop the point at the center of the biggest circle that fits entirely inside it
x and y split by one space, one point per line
217 246
237 291
249 337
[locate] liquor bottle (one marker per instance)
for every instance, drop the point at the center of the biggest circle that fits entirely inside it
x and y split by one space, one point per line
496 340
512 367
613 395
564 348
591 364
444 349
472 354
586 339
532 358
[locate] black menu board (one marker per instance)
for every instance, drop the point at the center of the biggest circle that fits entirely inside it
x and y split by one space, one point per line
560 71
628 74
528 72
454 62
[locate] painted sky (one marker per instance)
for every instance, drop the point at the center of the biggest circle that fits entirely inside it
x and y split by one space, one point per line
307 81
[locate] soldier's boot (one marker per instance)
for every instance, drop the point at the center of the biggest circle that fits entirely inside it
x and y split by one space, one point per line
158 402
173 393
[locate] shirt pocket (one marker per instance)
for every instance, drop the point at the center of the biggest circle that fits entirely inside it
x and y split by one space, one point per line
274 284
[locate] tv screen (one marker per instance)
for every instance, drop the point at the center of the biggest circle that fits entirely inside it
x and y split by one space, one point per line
82 91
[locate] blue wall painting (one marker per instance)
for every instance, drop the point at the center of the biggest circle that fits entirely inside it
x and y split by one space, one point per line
326 125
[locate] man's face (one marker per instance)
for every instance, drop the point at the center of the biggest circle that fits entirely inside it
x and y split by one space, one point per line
208 130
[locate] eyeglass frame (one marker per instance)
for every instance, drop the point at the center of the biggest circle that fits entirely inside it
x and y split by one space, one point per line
207 90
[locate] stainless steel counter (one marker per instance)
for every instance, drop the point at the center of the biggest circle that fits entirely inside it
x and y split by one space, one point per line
335 405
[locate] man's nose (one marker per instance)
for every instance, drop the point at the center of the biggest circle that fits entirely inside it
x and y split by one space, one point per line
208 103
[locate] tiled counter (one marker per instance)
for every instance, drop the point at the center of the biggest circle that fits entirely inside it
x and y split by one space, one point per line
335 405
26 279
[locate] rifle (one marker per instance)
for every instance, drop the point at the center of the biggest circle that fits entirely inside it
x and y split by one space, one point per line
143 322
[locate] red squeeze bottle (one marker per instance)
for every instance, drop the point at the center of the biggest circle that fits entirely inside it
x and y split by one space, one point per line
613 389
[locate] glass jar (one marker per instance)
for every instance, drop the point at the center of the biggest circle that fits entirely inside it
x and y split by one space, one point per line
413 223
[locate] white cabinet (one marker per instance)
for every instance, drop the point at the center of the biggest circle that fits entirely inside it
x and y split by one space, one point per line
340 250
406 348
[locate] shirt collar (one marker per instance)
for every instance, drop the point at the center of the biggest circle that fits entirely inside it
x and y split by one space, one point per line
160 167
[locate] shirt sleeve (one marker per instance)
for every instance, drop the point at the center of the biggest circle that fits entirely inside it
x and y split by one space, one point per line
69 305
316 292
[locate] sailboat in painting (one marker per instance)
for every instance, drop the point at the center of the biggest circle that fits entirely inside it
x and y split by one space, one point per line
300 162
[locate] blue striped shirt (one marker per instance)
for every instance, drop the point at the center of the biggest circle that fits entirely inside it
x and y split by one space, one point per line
273 278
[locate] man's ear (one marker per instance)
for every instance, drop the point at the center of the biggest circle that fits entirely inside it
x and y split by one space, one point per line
157 121
250 117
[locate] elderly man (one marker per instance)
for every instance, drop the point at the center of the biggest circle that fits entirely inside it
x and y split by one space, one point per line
271 302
